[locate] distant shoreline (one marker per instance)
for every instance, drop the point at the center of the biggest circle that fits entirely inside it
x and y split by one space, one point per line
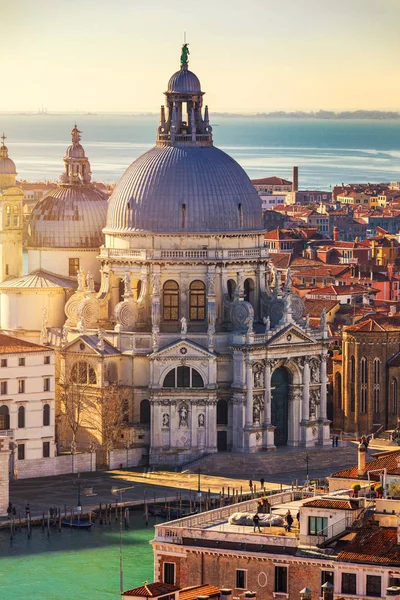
366 115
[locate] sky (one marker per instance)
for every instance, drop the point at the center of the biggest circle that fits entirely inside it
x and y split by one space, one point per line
250 55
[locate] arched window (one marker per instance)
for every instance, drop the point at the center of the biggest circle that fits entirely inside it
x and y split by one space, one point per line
197 301
338 386
83 374
377 385
21 417
364 385
15 216
231 285
249 290
121 290
4 417
183 377
145 412
170 301
46 415
394 396
222 412
8 215
352 383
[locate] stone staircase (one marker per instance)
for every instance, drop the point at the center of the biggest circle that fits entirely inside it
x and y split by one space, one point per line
285 460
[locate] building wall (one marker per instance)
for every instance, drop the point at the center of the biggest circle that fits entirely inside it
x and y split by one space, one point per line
56 465
57 260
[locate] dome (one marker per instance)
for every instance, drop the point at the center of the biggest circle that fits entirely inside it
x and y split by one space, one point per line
184 82
75 151
7 166
70 216
184 188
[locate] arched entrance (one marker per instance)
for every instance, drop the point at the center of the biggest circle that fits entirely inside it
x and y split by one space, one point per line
279 405
222 425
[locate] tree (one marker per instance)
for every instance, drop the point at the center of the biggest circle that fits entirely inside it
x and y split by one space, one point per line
74 404
109 412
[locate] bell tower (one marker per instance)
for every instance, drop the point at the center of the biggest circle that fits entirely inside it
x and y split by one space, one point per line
11 217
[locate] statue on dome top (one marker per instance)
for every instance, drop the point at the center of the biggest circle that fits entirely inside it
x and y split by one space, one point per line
185 55
76 138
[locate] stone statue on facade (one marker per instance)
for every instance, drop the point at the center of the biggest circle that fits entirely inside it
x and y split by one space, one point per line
211 284
156 284
127 285
81 280
43 331
267 323
289 280
64 335
323 321
258 373
256 414
90 282
201 420
183 326
165 420
183 416
249 323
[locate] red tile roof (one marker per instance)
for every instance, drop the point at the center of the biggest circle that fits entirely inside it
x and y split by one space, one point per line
313 308
9 345
151 590
339 290
271 181
381 322
332 503
193 592
384 460
376 546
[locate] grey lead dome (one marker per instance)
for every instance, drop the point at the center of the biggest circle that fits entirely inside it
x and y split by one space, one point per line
184 82
184 188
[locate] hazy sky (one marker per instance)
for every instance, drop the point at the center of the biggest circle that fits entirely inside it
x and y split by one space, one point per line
250 55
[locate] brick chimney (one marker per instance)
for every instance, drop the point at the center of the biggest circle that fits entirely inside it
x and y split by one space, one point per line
393 592
250 595
226 594
361 460
295 179
305 594
335 234
327 591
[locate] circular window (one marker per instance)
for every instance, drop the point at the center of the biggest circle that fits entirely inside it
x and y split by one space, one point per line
289 337
183 350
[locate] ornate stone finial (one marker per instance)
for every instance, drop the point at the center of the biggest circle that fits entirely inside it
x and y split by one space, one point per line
3 139
64 335
249 322
127 286
289 280
90 282
307 321
100 343
81 327
323 320
185 56
267 323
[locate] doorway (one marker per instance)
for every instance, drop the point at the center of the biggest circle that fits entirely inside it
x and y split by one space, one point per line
222 441
279 405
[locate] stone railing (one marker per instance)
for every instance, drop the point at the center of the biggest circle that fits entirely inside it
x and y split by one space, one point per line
187 254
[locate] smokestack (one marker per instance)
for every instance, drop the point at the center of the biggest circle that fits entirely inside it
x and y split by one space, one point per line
336 234
295 179
327 591
361 460
226 594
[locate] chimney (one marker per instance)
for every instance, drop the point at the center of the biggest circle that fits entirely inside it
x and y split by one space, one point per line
250 595
295 179
361 460
305 594
336 234
203 597
226 594
393 592
327 591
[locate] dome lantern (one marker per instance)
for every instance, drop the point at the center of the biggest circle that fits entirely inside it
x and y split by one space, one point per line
77 166
8 172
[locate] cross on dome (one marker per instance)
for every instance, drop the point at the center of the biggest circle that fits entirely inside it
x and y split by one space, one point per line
3 137
76 135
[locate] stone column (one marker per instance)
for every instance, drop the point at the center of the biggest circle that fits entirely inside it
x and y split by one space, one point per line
306 391
211 420
267 393
4 478
324 382
249 393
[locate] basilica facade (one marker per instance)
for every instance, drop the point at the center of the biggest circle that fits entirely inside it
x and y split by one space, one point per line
214 350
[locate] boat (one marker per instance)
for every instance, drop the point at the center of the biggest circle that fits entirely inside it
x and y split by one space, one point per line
76 523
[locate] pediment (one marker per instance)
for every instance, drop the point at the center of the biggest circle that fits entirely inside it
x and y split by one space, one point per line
289 335
183 349
88 344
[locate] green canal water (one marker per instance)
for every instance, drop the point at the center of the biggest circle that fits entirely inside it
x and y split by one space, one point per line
75 565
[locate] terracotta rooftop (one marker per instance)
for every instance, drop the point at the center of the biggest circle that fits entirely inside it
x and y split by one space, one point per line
313 308
383 460
333 503
339 290
378 323
151 590
193 592
10 345
377 546
271 181
281 260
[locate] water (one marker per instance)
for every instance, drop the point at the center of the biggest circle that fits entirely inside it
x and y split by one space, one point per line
71 565
328 152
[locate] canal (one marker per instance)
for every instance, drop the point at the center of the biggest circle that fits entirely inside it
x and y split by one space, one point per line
71 564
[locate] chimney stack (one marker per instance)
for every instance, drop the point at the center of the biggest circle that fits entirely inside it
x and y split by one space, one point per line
361 460
250 595
327 591
305 594
393 592
295 179
225 594
335 234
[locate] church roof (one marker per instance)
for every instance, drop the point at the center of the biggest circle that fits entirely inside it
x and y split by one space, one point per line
39 279
9 344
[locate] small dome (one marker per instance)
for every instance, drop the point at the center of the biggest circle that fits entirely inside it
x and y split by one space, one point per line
69 216
7 167
184 188
184 82
75 151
